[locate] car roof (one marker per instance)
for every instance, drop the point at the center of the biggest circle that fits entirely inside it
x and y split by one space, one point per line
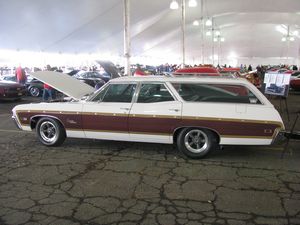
150 78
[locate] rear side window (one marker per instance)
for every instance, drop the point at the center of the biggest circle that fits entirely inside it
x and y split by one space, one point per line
225 93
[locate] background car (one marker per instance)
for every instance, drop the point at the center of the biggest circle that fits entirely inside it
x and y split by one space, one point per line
231 72
34 86
8 77
10 90
197 72
92 78
295 83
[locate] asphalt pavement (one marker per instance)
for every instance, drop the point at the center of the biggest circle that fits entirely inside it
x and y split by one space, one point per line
108 182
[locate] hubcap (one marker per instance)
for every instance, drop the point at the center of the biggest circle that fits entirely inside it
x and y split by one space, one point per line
48 132
196 141
34 92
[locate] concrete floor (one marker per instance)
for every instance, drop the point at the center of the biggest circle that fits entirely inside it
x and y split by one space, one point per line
106 182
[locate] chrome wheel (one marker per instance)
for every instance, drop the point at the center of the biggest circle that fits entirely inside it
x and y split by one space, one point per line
196 141
48 132
34 91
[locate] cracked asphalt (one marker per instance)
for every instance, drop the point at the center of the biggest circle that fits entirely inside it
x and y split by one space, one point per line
106 182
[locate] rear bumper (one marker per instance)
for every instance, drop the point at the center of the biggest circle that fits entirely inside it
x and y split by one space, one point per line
279 138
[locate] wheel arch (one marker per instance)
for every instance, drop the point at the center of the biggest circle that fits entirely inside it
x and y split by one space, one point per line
179 129
34 120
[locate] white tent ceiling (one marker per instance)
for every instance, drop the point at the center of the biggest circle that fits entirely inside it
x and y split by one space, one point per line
96 26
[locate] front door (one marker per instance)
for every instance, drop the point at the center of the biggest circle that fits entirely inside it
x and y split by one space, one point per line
106 116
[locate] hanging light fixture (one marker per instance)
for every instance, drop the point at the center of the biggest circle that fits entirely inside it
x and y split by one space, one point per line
283 39
174 4
193 3
208 33
222 39
291 38
196 23
217 33
208 23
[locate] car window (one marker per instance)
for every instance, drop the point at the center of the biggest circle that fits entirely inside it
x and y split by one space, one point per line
116 93
226 93
154 93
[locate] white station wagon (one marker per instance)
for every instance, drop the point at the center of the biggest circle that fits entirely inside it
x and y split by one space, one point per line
197 114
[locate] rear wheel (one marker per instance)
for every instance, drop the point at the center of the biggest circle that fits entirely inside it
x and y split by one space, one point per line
196 142
50 132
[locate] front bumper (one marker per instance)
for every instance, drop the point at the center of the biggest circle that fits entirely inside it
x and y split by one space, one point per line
16 122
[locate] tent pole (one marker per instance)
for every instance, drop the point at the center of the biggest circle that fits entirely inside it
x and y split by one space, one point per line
127 40
183 31
202 33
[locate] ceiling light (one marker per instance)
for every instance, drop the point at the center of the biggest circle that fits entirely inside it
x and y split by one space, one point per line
192 3
208 23
217 33
295 32
222 39
283 39
208 33
174 5
291 38
281 28
196 23
215 39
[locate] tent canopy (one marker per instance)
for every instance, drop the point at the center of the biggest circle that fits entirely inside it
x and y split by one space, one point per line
251 28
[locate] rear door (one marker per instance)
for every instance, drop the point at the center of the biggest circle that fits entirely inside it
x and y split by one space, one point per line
155 114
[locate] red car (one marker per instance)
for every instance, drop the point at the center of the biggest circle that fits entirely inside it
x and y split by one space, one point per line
234 72
295 83
11 90
197 71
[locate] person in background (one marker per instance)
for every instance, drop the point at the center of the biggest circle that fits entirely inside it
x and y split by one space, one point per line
20 75
249 67
47 92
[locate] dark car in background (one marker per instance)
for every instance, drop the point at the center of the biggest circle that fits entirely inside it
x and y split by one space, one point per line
33 86
10 90
92 78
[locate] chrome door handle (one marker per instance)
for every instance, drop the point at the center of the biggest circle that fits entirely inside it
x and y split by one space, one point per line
125 108
175 110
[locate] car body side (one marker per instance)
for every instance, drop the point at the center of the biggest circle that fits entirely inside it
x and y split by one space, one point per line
159 122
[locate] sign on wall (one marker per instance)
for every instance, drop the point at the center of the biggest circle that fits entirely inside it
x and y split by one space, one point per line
277 84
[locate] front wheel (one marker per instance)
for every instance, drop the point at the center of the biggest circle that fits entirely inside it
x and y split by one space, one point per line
50 132
195 142
34 91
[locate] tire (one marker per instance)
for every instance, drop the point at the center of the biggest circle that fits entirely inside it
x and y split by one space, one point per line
50 132
196 143
34 91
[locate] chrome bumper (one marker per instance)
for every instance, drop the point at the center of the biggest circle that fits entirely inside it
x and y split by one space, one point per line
16 122
279 138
